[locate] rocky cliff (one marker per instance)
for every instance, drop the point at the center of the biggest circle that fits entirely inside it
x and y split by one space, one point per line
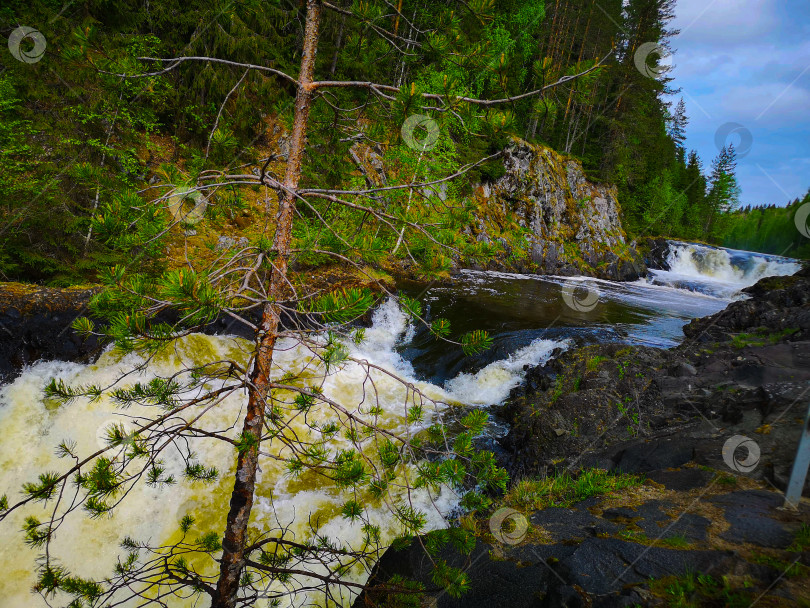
575 223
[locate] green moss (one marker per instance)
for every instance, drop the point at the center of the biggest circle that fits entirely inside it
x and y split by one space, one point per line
677 541
761 337
624 352
634 536
728 480
791 569
698 590
801 542
559 388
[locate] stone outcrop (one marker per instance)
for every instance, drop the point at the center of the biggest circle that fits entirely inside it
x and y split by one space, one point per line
622 551
742 371
574 222
655 252
775 305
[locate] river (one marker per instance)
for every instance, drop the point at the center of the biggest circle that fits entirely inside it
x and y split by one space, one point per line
528 317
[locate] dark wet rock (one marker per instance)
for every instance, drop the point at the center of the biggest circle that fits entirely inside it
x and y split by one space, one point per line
653 520
682 370
496 582
655 252
692 527
549 575
533 575
566 524
681 479
604 565
751 514
35 323
589 556
776 304
654 456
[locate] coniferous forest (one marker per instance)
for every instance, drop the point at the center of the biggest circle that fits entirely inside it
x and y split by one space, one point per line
79 134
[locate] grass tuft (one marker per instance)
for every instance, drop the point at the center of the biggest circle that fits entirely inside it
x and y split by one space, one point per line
801 541
565 489
593 363
677 541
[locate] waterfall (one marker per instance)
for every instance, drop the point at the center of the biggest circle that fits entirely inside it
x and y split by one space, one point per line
717 271
31 426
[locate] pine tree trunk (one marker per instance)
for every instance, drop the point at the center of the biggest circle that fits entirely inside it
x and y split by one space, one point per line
234 541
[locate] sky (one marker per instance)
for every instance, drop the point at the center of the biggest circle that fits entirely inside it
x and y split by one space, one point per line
743 67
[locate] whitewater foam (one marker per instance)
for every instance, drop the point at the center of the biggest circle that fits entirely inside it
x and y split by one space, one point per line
717 271
491 385
31 426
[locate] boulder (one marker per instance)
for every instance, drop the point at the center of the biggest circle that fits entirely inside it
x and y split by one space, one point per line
574 223
35 323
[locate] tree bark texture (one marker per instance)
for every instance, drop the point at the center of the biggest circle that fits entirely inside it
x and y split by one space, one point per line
235 538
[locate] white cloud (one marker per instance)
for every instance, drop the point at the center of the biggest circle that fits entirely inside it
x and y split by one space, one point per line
741 61
776 104
724 21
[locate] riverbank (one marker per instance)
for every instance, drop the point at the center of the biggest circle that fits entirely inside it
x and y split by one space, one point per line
35 321
744 370
662 418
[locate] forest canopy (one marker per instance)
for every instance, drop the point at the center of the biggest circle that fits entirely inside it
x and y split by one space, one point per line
76 136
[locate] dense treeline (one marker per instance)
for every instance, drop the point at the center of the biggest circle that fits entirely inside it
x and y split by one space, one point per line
75 134
771 229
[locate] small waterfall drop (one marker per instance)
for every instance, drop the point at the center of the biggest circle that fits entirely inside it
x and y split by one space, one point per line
716 271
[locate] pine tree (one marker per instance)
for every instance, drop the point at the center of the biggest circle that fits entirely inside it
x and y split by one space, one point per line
308 222
724 192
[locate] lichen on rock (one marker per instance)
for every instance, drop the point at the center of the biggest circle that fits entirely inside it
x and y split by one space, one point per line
573 224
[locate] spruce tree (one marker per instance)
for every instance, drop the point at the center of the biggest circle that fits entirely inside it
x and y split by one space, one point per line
724 191
676 126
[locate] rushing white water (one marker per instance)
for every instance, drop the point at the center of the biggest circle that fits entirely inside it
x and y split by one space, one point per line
716 271
493 383
31 427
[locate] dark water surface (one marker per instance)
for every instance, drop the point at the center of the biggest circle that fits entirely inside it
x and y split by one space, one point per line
517 310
